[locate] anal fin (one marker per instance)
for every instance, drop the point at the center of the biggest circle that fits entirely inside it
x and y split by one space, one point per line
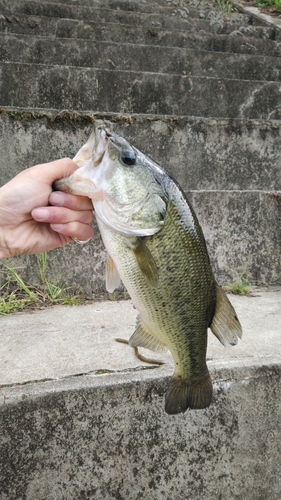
225 324
112 278
143 337
183 394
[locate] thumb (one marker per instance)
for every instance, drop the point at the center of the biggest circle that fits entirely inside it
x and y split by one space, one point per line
50 172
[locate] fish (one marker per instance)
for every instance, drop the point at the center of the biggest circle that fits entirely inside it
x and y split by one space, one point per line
156 246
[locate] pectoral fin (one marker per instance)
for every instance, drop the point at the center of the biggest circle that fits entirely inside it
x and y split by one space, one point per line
225 325
112 277
143 337
145 262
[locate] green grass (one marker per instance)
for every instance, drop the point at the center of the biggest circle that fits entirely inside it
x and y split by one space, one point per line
269 4
241 286
16 295
226 6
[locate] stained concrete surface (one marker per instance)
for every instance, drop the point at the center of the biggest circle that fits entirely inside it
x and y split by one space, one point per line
66 341
230 172
82 418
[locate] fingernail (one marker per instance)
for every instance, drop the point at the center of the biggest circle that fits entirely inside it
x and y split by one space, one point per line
40 213
56 198
56 227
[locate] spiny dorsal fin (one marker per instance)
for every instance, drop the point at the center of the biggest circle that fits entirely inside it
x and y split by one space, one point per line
225 325
145 262
143 337
112 278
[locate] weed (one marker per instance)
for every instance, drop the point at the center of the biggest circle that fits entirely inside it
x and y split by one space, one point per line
118 295
11 304
226 6
241 286
17 295
50 291
269 4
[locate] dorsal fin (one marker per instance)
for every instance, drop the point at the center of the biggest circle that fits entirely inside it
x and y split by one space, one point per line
225 324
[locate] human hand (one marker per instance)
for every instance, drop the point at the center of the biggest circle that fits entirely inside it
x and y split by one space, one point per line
35 219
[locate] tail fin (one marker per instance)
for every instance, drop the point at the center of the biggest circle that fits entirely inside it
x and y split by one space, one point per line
183 394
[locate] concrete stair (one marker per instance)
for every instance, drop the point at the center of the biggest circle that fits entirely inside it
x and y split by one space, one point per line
195 88
198 90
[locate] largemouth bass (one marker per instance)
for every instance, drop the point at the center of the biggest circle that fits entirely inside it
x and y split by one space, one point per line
156 246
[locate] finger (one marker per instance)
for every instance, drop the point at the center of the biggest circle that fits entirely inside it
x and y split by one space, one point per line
75 230
60 199
57 169
61 215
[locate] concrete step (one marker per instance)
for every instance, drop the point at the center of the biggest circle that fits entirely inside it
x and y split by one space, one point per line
79 412
190 7
59 87
248 40
222 24
200 153
69 9
139 4
128 11
147 58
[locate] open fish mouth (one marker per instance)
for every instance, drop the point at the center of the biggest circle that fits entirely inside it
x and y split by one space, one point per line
81 182
94 148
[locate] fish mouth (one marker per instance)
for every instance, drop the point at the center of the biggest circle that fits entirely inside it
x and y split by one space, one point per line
74 184
90 155
94 149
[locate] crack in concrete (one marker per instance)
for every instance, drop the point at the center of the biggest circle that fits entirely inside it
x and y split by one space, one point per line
82 374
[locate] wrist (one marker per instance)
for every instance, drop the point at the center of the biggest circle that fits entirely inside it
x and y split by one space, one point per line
7 218
4 250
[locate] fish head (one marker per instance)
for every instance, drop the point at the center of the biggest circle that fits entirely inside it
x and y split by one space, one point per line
126 193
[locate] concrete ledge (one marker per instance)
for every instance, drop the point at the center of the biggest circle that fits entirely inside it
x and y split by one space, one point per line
201 153
34 85
261 38
258 15
84 436
133 57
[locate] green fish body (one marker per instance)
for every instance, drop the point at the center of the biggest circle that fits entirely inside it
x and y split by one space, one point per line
156 246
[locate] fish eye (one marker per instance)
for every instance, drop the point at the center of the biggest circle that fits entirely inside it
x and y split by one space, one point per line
128 158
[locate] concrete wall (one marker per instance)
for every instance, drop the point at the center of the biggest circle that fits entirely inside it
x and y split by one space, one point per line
108 437
230 171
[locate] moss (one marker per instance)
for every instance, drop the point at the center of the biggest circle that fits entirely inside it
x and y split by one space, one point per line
65 116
